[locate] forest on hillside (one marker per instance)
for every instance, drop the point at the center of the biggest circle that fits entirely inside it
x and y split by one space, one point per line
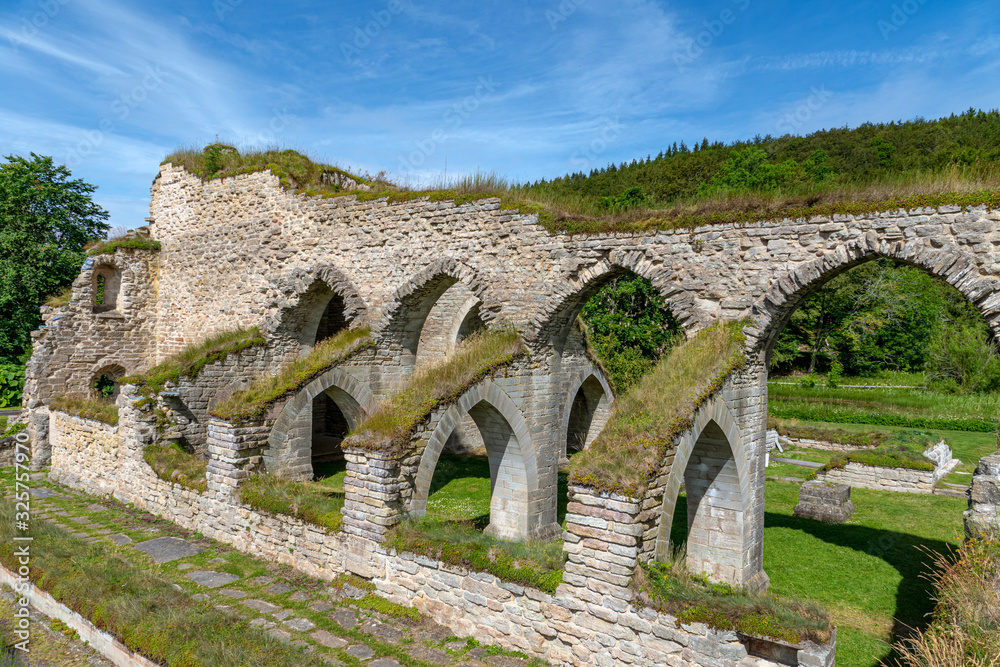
968 142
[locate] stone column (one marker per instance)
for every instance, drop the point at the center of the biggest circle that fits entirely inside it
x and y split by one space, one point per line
373 500
235 452
601 541
983 515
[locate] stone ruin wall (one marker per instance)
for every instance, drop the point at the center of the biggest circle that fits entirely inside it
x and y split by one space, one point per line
592 618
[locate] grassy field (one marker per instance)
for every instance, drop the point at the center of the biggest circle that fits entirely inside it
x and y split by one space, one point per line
890 540
890 407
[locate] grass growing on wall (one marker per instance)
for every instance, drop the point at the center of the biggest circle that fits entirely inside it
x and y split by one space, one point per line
61 299
251 403
531 563
903 449
648 418
318 502
669 587
389 427
98 409
173 464
139 607
193 358
112 245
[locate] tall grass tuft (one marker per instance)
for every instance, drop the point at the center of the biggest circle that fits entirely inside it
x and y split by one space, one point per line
318 503
649 417
965 630
173 464
251 403
390 425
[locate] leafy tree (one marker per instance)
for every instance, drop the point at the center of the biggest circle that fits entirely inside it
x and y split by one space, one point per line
46 219
630 327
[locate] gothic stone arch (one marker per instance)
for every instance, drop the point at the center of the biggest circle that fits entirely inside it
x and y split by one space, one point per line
517 508
289 446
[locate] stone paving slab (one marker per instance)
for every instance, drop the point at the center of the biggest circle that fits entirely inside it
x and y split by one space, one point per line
345 618
234 593
120 539
42 492
261 606
211 579
278 589
385 662
167 549
360 651
328 639
300 624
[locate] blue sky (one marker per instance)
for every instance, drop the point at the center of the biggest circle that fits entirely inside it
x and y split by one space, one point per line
528 90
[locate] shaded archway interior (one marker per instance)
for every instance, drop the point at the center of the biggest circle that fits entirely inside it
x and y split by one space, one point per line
589 412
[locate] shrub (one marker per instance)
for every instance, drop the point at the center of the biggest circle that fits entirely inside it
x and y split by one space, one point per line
649 417
251 403
11 385
98 409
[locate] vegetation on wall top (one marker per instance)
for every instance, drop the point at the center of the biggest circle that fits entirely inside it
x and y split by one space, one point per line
97 409
190 360
903 450
648 418
388 429
111 246
895 166
251 403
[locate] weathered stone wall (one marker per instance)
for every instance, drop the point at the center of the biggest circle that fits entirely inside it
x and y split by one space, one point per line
983 515
861 476
592 618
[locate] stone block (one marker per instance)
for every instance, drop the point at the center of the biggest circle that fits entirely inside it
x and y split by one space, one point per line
823 501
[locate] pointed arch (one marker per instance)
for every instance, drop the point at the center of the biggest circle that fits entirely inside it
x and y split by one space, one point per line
597 397
772 311
550 326
718 485
289 446
313 291
517 509
404 317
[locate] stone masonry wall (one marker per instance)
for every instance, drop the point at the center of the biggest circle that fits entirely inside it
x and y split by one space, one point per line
862 476
590 620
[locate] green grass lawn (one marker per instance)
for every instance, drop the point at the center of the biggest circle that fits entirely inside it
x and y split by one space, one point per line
868 573
914 408
460 491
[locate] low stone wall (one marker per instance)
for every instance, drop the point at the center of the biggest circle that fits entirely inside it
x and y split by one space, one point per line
861 476
983 515
592 618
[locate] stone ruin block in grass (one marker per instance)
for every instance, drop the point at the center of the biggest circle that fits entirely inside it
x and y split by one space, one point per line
983 515
824 501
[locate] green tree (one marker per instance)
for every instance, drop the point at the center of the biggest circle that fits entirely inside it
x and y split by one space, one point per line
630 327
46 219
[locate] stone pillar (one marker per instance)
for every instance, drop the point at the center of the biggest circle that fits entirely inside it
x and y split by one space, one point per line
235 452
38 429
601 541
983 515
373 501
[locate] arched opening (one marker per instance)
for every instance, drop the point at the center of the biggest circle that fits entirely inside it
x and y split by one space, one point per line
330 427
452 318
333 319
495 490
104 384
107 283
868 352
589 412
715 507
